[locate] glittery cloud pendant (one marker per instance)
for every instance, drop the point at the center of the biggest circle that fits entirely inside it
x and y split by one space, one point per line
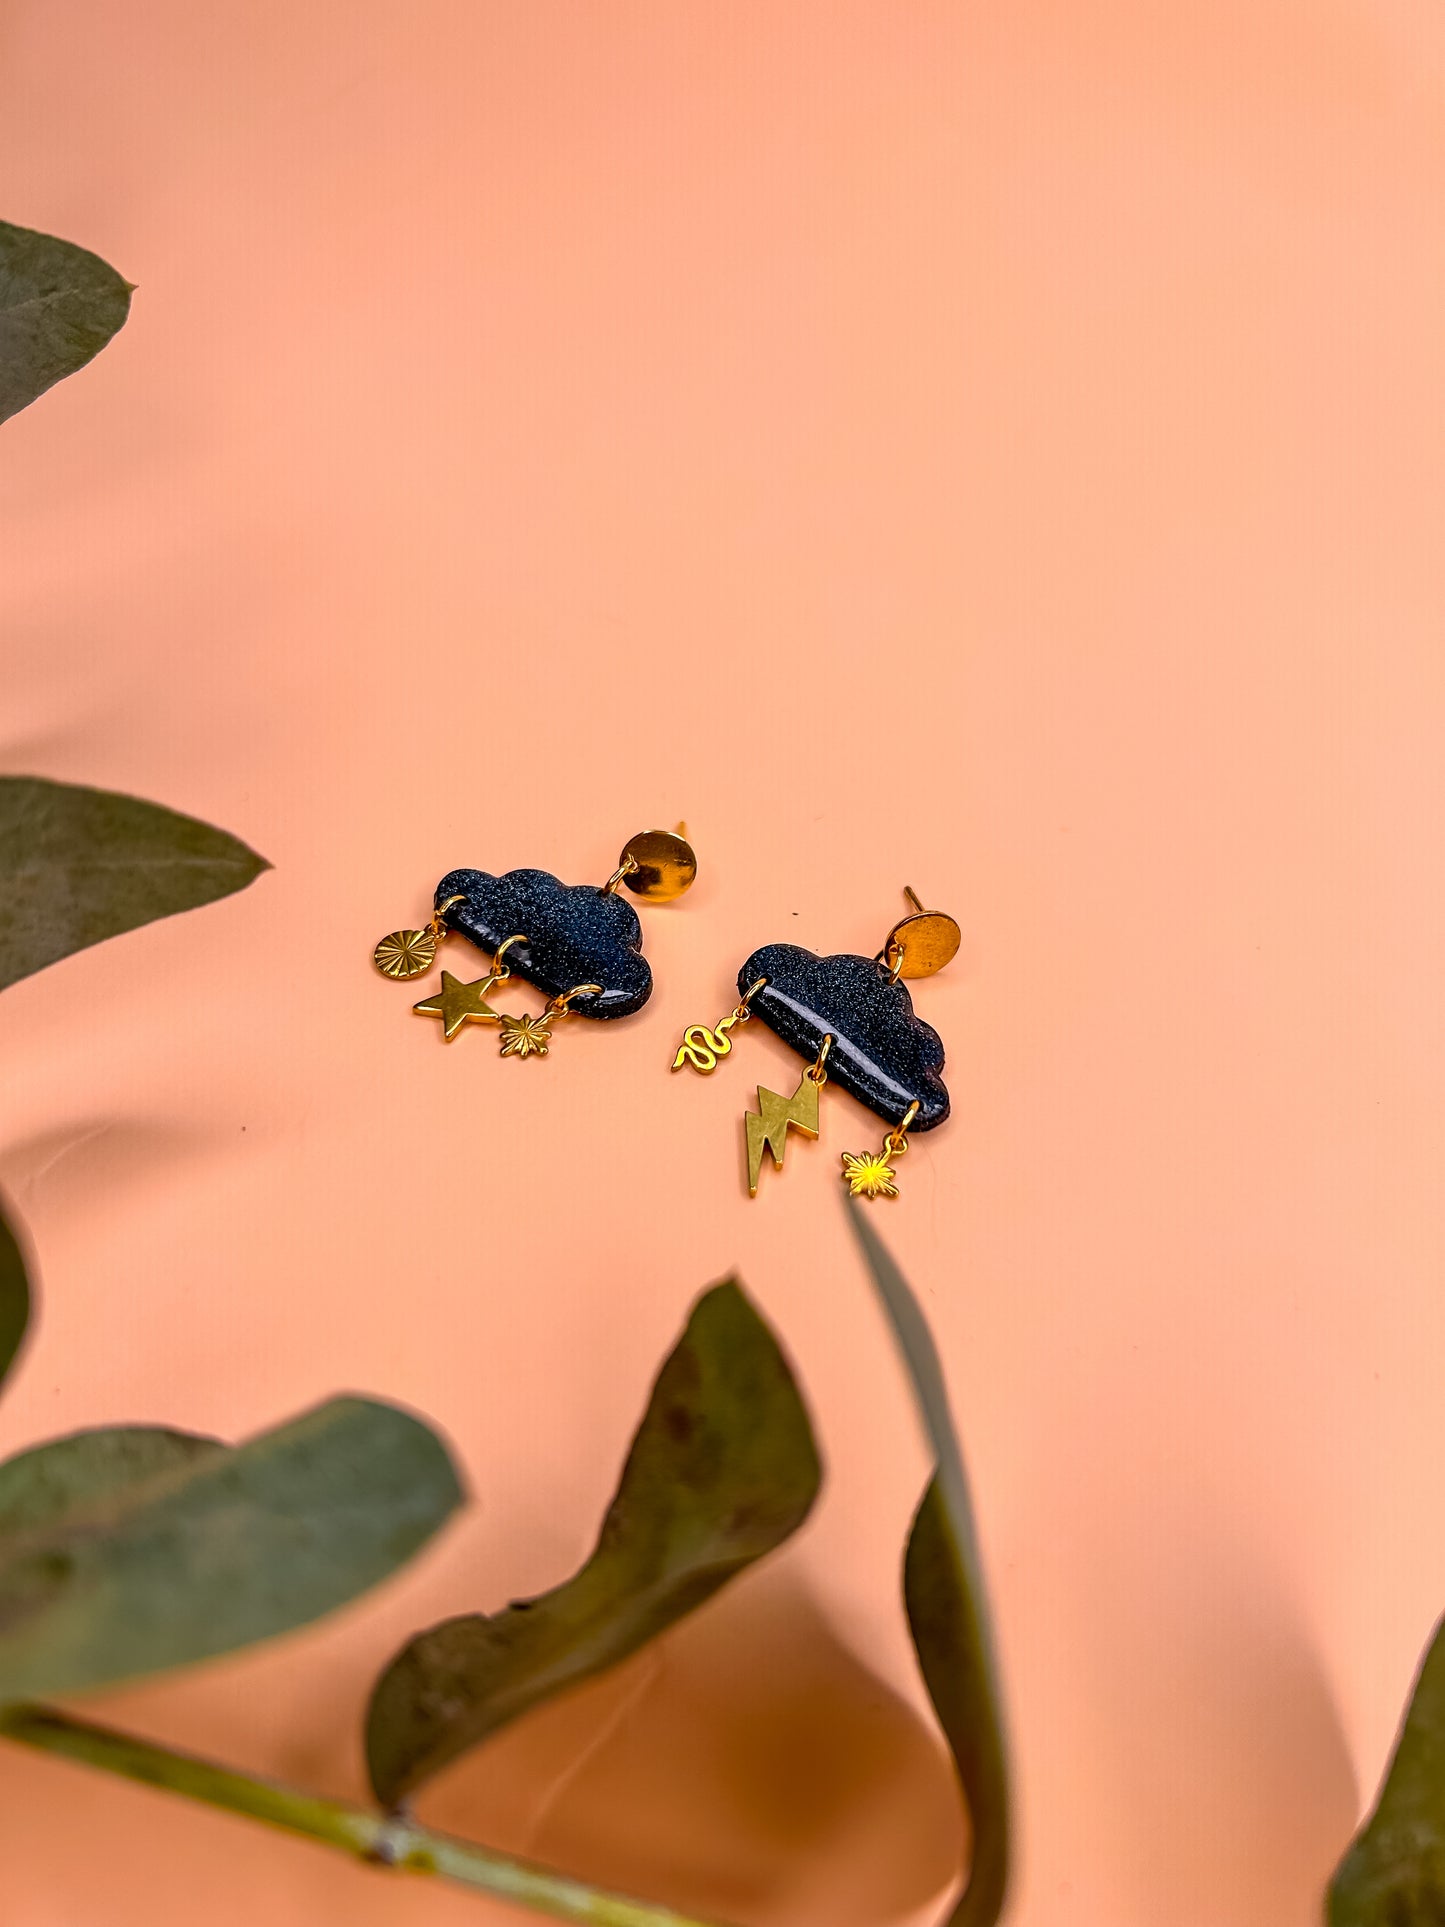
851 1019
580 944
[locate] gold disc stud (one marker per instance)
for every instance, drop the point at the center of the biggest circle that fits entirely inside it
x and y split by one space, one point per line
921 945
405 953
658 865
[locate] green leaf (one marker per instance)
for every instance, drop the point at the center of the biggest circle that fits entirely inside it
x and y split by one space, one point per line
947 1601
59 305
79 865
1394 1874
76 1480
722 1470
14 1297
128 1551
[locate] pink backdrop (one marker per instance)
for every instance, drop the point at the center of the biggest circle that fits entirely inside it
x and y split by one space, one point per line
992 447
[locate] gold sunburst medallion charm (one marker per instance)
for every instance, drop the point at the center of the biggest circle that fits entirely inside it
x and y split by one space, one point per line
869 1175
405 953
525 1036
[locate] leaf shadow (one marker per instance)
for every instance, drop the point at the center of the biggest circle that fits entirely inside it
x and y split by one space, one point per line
115 1159
1295 1792
747 1766
1243 1784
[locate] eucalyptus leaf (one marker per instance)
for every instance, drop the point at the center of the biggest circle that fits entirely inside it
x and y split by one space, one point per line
130 1551
1394 1874
78 1480
722 1470
79 865
59 305
947 1601
14 1297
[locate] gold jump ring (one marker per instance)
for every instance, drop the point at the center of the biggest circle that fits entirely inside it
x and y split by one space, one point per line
561 1006
817 1069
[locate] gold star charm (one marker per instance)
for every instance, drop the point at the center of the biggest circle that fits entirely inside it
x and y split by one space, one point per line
525 1036
869 1175
457 1004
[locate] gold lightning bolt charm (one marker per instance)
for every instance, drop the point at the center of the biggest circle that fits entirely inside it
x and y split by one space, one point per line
767 1127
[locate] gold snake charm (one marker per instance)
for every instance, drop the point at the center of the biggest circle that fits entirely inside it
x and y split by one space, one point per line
701 1048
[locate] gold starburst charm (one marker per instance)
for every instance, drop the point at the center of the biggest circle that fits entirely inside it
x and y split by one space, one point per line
458 1003
406 953
869 1175
526 1036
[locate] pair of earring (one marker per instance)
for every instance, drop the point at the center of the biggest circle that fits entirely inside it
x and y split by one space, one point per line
849 1017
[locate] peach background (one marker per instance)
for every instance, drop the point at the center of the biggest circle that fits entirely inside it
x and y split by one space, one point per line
993 447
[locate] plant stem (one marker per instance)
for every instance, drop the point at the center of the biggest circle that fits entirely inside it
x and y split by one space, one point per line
383 1841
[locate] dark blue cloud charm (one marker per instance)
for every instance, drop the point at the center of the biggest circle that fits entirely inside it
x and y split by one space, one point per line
575 934
882 1053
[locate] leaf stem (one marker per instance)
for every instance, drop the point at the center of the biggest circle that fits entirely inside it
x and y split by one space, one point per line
390 1842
